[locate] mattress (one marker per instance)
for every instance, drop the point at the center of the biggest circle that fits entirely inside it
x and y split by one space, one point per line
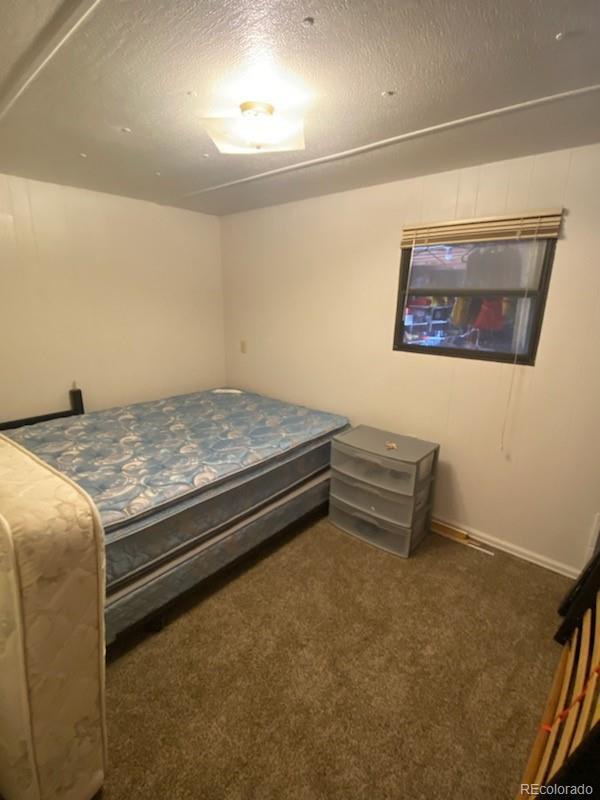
167 474
148 593
52 729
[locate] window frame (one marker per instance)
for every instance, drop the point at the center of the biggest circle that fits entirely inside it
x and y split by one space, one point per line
538 297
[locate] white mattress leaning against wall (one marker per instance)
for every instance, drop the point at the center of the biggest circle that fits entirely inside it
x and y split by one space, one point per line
52 727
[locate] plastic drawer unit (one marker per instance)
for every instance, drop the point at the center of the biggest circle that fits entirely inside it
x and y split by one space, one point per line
392 506
382 487
394 538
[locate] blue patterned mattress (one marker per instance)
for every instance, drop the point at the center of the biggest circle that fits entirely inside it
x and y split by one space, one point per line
165 473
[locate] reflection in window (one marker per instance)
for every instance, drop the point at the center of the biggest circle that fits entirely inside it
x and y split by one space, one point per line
495 324
481 300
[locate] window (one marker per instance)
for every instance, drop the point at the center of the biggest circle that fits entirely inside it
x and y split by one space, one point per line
475 299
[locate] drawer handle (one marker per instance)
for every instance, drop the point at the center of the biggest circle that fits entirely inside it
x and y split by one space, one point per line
352 511
367 487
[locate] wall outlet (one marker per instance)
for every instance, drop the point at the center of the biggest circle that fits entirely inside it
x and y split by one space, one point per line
243 346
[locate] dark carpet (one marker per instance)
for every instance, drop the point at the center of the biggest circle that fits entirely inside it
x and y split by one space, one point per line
324 669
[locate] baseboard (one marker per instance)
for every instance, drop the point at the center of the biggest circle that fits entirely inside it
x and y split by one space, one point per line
507 547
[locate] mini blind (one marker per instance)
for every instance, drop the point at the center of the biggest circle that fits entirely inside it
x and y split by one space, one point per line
540 225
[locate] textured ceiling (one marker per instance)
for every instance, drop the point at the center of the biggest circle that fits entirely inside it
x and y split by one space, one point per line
159 66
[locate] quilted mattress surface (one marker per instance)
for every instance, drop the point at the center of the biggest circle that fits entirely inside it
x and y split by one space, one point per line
139 459
52 731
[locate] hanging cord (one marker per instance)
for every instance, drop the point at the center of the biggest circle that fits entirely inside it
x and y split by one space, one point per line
514 368
517 337
510 389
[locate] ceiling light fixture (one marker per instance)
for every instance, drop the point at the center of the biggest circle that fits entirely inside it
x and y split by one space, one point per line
252 108
259 108
125 130
257 128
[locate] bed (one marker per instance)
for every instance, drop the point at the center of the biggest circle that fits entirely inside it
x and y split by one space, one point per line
186 485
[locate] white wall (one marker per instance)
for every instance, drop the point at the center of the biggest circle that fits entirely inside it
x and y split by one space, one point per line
120 295
125 298
312 286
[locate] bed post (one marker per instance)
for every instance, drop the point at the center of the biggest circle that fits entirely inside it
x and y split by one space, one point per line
76 399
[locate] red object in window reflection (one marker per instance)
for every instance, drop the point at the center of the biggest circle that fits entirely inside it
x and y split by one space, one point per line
490 317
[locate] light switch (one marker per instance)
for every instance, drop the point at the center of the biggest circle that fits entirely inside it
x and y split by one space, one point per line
243 347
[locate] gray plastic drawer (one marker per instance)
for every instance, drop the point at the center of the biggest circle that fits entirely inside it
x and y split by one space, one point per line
394 538
389 446
425 467
386 473
394 507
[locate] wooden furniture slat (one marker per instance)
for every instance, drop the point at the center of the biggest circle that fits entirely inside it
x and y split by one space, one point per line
543 768
566 748
548 716
596 718
584 716
580 679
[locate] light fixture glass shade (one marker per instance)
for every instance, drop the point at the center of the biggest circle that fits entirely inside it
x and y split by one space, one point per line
261 133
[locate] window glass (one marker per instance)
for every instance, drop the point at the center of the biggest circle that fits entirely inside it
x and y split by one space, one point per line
483 265
475 300
486 324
